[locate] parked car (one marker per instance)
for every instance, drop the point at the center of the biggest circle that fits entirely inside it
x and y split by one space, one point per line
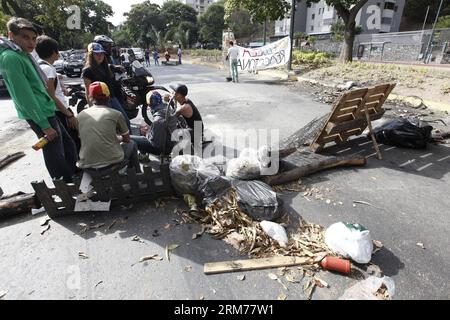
211 46
138 53
59 65
74 64
3 89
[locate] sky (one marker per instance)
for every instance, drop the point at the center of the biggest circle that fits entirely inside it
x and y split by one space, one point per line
122 6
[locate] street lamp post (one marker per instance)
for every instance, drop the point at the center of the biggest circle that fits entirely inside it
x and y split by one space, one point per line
432 33
291 34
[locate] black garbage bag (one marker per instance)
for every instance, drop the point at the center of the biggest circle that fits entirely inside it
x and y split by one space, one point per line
212 188
402 133
258 200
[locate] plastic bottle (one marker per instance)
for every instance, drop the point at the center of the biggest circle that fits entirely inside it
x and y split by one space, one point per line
41 143
336 264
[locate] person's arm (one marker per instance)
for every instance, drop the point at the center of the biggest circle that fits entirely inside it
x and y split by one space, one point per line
87 83
122 129
184 110
63 87
71 120
26 102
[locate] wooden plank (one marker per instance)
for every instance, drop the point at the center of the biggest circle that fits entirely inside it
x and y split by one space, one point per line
44 196
118 190
165 175
356 94
11 158
133 182
378 89
375 98
254 264
351 103
348 125
149 179
64 193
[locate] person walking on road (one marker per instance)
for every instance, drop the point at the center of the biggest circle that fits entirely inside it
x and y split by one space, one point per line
232 56
179 53
147 57
26 83
156 56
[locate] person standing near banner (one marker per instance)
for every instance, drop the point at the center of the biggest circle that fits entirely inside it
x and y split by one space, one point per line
233 54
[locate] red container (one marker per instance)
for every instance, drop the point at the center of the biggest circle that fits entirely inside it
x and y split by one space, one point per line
336 264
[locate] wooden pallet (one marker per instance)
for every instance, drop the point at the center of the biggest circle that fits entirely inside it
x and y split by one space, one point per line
348 116
121 189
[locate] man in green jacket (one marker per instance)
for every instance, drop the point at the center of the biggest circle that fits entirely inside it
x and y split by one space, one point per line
26 84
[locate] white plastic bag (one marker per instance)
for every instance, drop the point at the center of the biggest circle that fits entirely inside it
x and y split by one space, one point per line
184 170
351 240
367 289
275 231
249 164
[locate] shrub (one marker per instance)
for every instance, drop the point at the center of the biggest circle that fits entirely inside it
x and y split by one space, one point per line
311 59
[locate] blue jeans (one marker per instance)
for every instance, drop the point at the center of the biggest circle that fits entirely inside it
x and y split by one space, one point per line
60 154
145 146
115 104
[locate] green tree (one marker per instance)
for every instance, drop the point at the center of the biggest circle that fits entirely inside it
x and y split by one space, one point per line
141 20
121 36
415 10
277 9
175 12
259 10
3 20
443 22
242 25
212 24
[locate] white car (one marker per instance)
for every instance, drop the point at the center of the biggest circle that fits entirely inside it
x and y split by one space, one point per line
138 53
59 65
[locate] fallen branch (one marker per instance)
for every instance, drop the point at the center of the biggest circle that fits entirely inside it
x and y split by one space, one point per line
18 203
309 167
254 264
10 159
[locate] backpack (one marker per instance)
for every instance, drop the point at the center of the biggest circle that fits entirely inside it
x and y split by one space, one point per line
41 63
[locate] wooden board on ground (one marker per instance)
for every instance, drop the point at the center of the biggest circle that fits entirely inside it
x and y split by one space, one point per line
348 115
254 264
304 162
18 203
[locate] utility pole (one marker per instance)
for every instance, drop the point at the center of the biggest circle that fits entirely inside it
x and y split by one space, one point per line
426 18
430 42
291 34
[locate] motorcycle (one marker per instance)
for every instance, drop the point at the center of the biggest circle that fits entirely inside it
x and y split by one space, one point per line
133 87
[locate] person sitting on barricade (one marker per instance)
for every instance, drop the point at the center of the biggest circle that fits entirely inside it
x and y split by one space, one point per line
105 139
158 141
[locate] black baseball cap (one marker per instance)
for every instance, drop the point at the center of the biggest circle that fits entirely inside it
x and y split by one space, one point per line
179 88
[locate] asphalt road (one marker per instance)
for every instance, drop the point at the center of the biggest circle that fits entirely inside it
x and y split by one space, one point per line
408 192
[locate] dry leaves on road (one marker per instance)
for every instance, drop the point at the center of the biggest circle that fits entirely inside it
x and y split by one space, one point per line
82 255
169 250
420 244
45 221
273 276
282 297
155 257
45 229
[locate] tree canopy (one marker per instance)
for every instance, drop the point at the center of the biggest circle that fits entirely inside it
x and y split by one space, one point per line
212 23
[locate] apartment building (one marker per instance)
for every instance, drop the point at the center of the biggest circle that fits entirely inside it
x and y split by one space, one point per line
377 16
199 5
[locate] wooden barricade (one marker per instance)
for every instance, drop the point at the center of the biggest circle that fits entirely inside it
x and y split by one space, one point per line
121 189
350 114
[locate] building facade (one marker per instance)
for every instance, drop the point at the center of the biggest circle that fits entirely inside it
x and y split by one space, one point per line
199 5
377 16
